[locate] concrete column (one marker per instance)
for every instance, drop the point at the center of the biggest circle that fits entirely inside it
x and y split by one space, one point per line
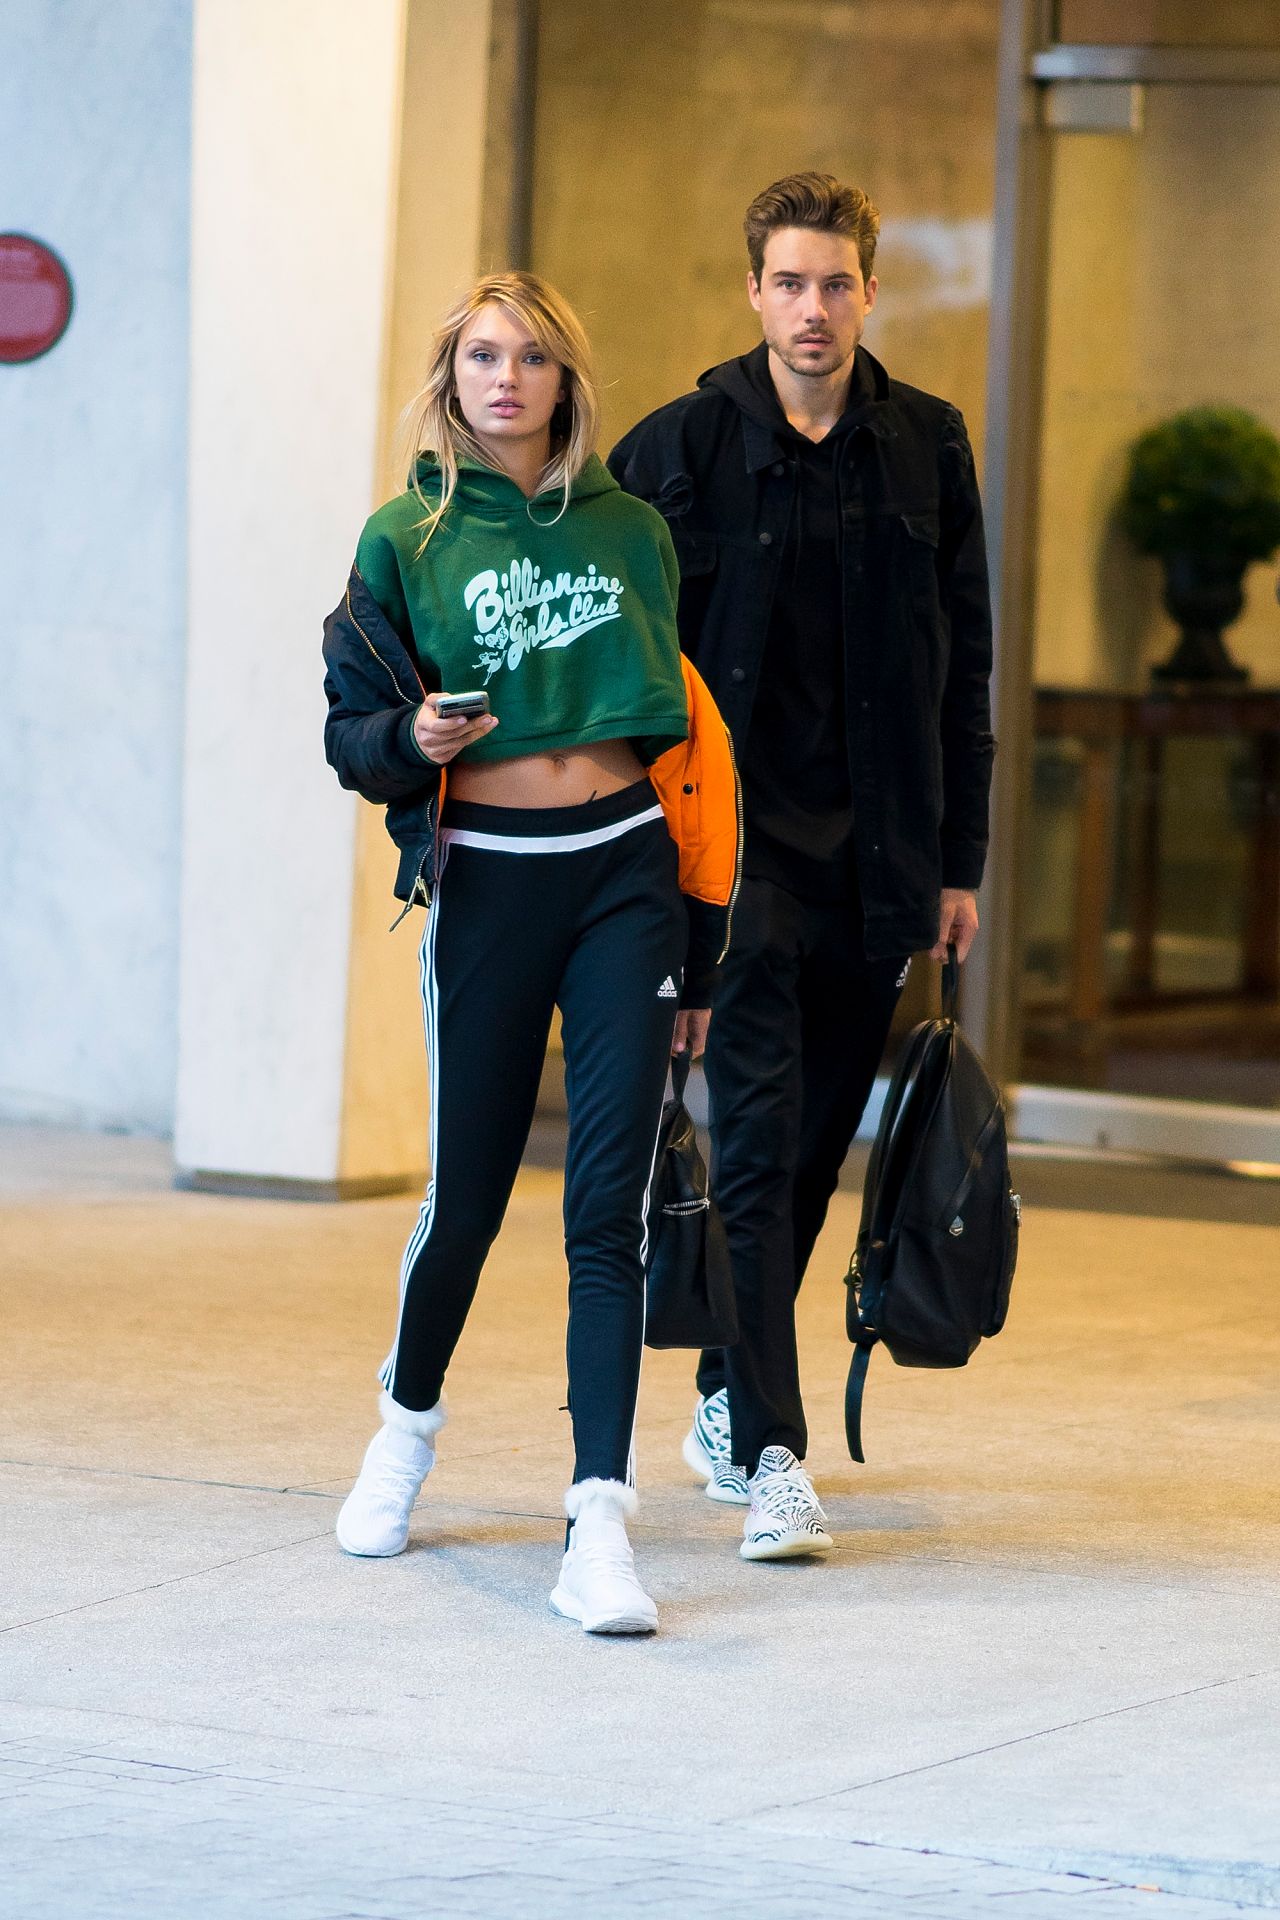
338 151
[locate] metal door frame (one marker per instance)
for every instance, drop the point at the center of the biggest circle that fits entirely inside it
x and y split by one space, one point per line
1029 64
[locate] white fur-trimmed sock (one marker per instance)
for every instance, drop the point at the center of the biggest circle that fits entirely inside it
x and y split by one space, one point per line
608 1494
423 1426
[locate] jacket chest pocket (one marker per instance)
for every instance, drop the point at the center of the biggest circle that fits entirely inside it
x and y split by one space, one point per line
917 547
696 555
695 552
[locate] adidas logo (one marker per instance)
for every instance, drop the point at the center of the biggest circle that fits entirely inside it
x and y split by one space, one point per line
667 991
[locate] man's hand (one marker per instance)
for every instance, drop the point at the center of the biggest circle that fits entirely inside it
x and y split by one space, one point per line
691 1031
441 739
958 921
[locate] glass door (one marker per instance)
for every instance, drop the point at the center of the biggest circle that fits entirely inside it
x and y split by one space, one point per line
1145 945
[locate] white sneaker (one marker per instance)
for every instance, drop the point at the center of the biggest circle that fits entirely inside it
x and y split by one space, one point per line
598 1585
374 1520
706 1451
785 1520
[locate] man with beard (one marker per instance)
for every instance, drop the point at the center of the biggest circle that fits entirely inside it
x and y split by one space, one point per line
834 596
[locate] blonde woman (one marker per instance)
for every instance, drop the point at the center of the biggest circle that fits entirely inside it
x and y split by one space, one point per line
594 787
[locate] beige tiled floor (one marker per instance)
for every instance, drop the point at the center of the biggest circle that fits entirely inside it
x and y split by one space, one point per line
1047 1638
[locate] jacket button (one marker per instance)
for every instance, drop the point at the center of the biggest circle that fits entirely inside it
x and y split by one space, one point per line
766 539
737 675
865 705
688 787
780 467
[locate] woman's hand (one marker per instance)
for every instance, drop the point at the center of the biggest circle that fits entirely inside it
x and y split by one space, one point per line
691 1031
440 740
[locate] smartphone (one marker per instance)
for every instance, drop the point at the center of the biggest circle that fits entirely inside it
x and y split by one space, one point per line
462 706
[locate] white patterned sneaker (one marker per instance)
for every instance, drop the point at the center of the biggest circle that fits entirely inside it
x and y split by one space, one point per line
785 1520
729 1485
706 1452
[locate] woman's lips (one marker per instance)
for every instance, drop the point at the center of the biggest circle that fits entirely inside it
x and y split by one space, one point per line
506 406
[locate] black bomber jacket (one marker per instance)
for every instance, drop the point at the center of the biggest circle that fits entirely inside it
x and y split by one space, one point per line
374 689
917 617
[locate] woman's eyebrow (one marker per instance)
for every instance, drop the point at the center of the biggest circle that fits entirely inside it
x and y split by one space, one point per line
524 345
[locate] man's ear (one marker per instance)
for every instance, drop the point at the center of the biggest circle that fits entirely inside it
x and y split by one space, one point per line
753 290
873 288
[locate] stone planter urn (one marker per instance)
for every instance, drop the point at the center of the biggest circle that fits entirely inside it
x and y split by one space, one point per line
1203 597
1202 496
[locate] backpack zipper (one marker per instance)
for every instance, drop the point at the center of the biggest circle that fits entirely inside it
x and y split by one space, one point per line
954 1207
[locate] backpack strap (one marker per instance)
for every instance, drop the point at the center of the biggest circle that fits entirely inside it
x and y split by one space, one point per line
864 1338
950 983
853 1396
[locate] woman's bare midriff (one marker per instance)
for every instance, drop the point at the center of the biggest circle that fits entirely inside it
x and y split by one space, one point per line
567 778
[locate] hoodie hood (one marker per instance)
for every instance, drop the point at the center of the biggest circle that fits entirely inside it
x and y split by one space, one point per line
486 490
748 383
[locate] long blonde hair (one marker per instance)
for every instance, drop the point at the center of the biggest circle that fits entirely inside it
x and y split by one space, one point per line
434 418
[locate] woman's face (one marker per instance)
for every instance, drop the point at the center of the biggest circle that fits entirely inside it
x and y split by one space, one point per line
508 388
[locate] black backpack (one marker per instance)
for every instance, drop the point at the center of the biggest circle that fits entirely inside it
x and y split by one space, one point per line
938 1240
689 1297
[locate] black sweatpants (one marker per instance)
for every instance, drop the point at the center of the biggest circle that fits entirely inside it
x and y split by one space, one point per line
577 907
799 1029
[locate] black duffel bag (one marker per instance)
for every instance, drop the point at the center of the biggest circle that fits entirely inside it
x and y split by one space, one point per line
689 1298
931 1272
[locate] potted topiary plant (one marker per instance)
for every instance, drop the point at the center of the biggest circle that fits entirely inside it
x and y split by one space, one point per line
1203 495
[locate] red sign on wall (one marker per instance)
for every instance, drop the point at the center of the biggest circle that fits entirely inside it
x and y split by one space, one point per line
35 298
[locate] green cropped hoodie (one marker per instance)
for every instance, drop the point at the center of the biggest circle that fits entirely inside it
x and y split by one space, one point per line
566 619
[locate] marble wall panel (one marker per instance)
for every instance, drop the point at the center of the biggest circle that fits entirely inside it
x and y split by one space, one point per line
650 144
95 122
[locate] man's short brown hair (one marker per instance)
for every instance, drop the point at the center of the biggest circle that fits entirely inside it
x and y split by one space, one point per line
814 200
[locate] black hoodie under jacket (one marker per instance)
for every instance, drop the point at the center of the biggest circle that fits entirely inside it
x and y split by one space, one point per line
721 466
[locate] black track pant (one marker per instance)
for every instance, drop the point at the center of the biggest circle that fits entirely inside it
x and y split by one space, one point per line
577 907
799 1028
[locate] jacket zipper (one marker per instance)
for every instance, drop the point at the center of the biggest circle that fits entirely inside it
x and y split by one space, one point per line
403 697
420 890
737 864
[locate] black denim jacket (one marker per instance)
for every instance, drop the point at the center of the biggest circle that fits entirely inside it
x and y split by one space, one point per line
917 615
